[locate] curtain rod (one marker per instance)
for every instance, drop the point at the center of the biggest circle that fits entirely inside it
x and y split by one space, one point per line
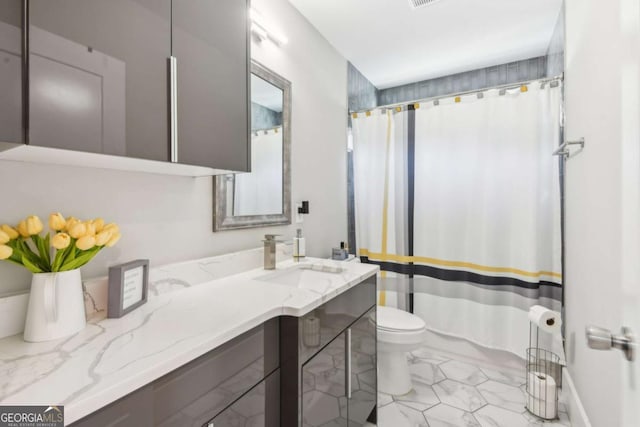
507 86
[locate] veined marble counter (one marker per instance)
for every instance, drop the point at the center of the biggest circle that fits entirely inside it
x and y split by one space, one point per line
187 315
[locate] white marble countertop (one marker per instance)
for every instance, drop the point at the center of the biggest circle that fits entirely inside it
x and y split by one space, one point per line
113 357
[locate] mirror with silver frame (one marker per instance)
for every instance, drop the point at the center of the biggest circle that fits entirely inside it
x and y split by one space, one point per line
261 197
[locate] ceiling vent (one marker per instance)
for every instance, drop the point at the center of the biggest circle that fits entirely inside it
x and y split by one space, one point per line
416 4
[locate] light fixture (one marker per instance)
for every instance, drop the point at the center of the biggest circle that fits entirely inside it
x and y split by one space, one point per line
263 31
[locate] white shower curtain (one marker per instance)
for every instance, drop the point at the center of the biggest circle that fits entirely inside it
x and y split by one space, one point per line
260 191
380 192
487 237
486 240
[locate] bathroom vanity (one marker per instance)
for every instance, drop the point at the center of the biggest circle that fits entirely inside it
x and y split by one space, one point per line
294 346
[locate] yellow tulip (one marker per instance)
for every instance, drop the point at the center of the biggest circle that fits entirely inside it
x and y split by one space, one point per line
99 224
103 237
91 228
4 238
57 221
60 240
34 225
113 240
112 227
12 232
22 228
78 230
86 242
71 221
5 251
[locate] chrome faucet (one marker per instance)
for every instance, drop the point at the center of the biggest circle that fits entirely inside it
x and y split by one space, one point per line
270 251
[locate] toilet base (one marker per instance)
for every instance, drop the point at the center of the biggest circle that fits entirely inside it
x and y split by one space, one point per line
393 373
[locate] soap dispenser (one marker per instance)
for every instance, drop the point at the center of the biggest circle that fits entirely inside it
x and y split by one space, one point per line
299 250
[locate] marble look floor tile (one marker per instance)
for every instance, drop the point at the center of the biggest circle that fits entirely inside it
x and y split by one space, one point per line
428 355
426 372
562 421
384 399
463 372
421 397
459 395
447 416
492 416
503 395
504 377
396 415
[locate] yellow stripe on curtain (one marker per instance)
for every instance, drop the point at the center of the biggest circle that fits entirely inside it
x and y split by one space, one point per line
385 205
446 263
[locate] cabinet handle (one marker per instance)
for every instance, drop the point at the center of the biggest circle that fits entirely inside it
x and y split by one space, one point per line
347 379
173 100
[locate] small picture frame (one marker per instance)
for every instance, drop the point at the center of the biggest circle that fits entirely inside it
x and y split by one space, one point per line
128 287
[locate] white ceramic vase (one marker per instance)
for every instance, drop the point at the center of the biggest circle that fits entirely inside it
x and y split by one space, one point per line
56 306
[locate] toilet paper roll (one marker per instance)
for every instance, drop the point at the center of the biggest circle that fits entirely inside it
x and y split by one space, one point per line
547 320
311 332
542 395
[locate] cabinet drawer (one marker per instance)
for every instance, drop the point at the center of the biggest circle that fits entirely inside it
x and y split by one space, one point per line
259 407
336 315
195 393
133 410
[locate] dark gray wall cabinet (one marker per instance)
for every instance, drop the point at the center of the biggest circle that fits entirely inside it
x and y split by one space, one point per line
97 78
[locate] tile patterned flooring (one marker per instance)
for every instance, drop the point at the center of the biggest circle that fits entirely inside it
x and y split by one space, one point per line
452 393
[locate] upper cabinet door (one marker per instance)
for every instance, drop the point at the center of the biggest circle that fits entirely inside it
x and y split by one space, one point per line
99 76
210 46
11 71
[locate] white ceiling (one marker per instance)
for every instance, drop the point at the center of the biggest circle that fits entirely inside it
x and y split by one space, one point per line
392 44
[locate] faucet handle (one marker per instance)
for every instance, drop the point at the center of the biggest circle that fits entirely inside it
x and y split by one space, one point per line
271 236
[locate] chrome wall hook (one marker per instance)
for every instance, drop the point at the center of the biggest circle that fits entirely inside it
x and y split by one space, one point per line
563 149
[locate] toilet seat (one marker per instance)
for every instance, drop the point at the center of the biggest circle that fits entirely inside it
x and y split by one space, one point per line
398 321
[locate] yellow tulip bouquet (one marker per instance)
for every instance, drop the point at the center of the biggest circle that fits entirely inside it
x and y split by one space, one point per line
70 244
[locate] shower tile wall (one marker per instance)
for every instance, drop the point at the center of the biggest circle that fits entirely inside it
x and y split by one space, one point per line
513 72
264 118
555 53
362 93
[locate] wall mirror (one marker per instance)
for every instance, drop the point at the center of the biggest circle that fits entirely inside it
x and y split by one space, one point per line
261 197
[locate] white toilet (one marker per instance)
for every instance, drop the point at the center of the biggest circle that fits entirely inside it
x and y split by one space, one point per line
399 332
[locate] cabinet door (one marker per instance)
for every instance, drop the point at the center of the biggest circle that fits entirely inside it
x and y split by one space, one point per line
324 386
259 407
98 76
11 71
362 400
210 44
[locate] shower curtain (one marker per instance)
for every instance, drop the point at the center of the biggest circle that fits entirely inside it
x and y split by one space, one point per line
380 193
484 235
260 192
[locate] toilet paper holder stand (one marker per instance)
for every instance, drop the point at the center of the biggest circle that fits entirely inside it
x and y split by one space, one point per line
544 378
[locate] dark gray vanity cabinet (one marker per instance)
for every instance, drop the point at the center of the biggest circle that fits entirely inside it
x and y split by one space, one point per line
211 50
11 127
98 76
336 384
238 380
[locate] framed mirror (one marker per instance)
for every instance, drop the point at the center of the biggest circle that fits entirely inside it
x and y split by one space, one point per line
261 197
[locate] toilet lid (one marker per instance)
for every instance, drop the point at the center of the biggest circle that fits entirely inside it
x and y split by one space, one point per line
392 319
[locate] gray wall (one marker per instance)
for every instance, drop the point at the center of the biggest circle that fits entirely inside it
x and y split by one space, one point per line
555 53
264 118
362 93
513 72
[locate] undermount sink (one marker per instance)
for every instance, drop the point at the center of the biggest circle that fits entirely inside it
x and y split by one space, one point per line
317 277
